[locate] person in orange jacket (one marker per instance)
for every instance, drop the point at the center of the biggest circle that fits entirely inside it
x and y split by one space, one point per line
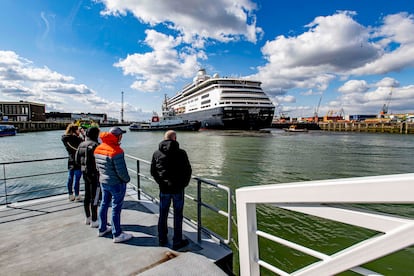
113 177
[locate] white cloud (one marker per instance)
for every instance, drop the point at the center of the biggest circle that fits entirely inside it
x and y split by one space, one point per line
335 48
331 47
358 95
161 66
354 86
20 79
222 20
388 82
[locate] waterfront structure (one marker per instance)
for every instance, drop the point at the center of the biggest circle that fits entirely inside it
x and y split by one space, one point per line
223 103
59 117
22 111
374 125
71 117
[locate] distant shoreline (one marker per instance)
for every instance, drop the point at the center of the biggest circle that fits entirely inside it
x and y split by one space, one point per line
31 126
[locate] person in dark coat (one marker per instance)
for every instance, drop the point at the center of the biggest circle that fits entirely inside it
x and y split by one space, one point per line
171 169
71 140
86 159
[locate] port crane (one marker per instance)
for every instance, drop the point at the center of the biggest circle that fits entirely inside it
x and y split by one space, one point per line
385 107
315 115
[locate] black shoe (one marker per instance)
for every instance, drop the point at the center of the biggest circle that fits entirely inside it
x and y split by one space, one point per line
163 243
181 244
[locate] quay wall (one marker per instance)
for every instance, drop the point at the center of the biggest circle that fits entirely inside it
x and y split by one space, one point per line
399 128
30 126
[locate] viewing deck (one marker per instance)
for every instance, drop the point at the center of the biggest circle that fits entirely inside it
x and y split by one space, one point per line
48 237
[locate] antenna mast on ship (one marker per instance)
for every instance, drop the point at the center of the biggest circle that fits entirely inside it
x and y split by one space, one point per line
122 106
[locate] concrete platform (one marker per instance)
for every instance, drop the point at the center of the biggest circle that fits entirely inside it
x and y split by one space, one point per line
48 237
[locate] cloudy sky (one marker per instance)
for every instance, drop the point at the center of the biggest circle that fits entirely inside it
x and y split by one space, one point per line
80 55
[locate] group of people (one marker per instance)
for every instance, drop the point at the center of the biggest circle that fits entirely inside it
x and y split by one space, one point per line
106 176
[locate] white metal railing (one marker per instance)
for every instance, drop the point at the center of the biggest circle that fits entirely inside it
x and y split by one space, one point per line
322 199
197 199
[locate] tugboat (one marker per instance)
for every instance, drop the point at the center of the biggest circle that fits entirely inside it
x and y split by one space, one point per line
168 121
165 123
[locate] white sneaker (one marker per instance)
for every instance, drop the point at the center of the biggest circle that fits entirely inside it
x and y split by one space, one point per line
108 230
71 197
78 198
88 220
122 237
94 224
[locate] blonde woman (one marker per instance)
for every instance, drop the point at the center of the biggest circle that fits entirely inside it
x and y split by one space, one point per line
71 140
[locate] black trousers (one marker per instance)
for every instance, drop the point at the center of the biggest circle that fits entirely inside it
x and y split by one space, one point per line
92 194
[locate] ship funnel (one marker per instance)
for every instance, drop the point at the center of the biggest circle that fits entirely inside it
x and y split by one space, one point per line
201 76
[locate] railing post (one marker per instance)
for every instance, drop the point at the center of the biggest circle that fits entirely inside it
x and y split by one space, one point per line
199 224
138 182
230 214
5 184
248 241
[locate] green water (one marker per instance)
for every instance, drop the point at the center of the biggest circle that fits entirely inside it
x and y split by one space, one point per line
237 159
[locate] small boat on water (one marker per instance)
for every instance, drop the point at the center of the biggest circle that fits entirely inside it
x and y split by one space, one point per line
293 128
7 130
165 122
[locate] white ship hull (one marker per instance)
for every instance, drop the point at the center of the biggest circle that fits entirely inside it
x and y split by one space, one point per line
223 103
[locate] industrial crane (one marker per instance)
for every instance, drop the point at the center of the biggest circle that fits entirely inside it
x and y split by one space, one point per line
385 107
316 116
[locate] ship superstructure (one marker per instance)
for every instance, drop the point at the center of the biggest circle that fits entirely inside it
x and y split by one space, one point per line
223 103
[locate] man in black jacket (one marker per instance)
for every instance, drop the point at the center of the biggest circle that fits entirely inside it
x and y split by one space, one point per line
171 169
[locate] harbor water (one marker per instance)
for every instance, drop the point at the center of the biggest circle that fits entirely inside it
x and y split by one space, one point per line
249 158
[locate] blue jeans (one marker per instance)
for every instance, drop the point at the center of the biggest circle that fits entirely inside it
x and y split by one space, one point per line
178 205
112 194
77 174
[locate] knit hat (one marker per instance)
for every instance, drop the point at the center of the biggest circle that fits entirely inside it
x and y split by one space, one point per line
117 131
92 133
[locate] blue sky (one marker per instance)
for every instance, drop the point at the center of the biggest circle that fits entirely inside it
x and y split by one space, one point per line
77 56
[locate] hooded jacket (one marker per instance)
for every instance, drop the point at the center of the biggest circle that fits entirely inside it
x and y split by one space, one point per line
170 167
110 161
85 154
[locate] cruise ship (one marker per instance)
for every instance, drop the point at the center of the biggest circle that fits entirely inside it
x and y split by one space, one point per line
223 103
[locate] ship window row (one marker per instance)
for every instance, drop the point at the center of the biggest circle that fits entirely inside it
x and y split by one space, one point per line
245 103
205 102
250 90
238 87
205 106
246 99
207 86
258 92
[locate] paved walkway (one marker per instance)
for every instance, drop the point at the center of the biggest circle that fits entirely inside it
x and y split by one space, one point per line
49 237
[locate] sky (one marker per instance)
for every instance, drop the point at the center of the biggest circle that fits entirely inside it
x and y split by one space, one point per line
102 56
